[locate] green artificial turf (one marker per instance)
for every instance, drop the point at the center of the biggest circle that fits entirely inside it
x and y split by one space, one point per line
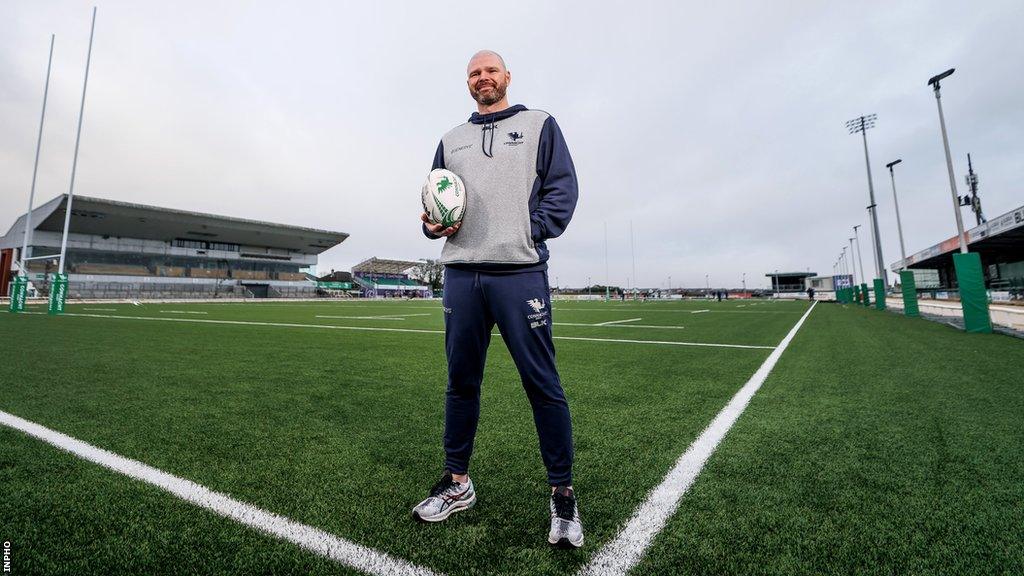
878 444
342 429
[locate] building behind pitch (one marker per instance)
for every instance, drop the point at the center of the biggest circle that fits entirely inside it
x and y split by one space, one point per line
121 250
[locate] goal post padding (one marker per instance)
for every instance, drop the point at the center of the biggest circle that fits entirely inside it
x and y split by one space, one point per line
973 296
909 294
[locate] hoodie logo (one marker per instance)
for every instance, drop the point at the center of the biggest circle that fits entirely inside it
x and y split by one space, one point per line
514 139
537 304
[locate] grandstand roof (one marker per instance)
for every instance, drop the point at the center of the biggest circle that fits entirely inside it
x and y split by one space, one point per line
1002 236
382 266
100 217
800 274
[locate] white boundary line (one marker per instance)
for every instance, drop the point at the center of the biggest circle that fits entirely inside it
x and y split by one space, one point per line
699 311
182 312
313 539
626 550
377 329
610 322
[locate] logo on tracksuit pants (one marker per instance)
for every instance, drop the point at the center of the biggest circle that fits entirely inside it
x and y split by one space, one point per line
539 316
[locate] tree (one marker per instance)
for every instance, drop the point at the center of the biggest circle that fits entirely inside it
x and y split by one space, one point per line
430 272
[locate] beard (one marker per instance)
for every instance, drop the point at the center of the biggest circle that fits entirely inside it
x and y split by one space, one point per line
495 95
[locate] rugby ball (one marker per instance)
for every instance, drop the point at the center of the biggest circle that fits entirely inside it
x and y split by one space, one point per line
444 197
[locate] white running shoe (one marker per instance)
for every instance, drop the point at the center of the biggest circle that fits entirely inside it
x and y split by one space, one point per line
446 497
566 529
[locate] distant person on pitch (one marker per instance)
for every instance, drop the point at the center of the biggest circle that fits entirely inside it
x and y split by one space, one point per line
810 293
522 188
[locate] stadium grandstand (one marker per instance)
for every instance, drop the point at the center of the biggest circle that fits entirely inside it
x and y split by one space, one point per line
378 277
337 285
118 250
999 242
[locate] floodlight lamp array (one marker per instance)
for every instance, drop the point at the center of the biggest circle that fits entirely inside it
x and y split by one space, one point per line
862 123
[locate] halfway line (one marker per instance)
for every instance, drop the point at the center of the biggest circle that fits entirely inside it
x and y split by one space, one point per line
625 551
313 539
376 329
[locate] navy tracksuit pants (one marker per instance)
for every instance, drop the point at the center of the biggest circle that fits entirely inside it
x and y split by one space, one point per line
520 304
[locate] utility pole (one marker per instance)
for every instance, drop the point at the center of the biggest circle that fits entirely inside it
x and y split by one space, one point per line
862 124
970 276
632 250
856 236
899 225
607 290
934 82
852 263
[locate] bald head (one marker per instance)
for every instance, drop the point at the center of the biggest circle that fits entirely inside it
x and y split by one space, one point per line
484 56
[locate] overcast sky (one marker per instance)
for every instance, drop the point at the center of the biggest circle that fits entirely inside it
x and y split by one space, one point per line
717 129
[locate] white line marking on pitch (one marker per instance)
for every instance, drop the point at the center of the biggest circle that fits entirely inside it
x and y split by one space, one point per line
610 322
388 317
619 325
625 551
181 312
377 329
313 539
699 311
708 344
99 309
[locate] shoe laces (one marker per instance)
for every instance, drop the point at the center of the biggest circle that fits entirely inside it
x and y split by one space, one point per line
443 485
565 505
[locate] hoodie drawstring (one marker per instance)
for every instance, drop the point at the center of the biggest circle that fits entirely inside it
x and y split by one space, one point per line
487 150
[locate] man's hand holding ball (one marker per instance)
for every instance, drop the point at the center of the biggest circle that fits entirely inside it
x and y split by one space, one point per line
439 229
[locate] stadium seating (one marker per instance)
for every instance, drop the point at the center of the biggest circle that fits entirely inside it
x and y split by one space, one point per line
112 269
250 274
292 276
207 273
170 271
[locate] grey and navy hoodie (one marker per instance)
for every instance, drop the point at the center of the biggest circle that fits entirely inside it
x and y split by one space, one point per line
520 189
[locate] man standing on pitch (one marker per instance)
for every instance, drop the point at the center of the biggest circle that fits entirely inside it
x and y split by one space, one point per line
522 190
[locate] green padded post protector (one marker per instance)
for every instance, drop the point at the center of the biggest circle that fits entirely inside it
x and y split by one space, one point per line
973 297
19 288
856 294
864 292
909 294
879 294
58 294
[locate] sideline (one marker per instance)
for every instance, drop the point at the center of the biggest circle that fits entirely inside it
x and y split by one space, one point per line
627 548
